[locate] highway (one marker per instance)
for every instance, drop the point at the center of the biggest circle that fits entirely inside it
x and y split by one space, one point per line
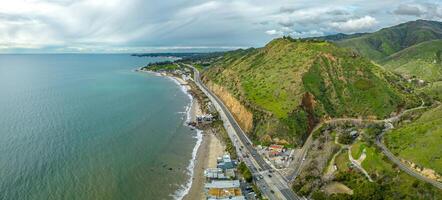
272 185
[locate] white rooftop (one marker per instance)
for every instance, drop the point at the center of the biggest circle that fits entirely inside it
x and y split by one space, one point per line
230 198
223 184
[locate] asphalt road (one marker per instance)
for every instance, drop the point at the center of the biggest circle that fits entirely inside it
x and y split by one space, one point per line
298 164
271 185
287 192
402 166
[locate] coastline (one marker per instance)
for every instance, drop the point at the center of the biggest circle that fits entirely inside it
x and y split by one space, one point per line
207 149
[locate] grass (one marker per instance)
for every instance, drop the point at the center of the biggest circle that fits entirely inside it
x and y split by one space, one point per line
434 90
342 161
420 141
381 44
272 82
375 162
357 149
390 183
422 60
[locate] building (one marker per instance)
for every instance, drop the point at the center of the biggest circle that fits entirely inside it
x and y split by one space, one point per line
225 163
354 134
204 118
223 189
275 150
214 173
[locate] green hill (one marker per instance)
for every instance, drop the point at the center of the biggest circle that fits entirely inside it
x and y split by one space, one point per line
419 141
385 42
282 90
337 37
423 60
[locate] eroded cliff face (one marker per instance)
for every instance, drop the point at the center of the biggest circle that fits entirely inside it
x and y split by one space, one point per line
243 116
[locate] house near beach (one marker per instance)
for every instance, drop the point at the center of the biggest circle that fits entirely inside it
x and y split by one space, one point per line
223 189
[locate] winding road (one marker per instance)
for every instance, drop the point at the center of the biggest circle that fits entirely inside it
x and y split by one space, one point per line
297 166
260 166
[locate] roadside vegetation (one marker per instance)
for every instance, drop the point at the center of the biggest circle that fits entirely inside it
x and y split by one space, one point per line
347 182
419 141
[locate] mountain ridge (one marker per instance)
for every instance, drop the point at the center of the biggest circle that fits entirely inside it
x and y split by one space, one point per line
290 85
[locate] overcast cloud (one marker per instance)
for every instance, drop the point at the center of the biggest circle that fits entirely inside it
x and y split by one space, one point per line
163 25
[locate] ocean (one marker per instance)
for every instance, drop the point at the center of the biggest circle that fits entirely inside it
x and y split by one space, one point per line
86 126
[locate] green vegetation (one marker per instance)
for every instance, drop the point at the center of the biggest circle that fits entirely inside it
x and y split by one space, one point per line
345 138
342 161
389 182
230 148
375 162
245 172
248 177
289 85
420 141
422 60
387 41
434 90
357 149
413 48
166 66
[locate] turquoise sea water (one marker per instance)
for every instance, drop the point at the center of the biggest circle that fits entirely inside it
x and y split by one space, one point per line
88 127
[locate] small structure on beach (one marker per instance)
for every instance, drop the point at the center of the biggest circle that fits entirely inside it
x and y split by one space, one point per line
204 118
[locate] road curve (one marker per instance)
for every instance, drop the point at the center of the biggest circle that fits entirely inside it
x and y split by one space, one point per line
403 166
298 165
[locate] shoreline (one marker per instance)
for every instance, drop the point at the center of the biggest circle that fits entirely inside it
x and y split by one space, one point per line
205 152
191 112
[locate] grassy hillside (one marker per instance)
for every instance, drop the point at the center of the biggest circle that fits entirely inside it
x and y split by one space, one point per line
388 41
420 141
434 90
423 60
288 85
337 37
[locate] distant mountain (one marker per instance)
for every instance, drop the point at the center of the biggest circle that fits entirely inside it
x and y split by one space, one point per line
279 92
337 37
423 60
385 42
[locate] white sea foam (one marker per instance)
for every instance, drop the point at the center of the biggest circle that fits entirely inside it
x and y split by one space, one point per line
185 188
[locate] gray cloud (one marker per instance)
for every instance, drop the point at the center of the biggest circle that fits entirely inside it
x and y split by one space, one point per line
412 10
137 25
427 10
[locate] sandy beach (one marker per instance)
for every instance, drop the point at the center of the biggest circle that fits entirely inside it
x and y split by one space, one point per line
210 148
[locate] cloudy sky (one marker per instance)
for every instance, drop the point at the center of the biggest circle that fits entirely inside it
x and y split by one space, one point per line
180 25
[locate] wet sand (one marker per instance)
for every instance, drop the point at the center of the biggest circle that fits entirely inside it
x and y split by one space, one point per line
209 150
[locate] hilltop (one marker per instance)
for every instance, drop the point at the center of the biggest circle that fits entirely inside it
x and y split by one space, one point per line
423 60
387 41
279 92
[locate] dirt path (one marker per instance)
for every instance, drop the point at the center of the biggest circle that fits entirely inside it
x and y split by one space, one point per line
357 163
